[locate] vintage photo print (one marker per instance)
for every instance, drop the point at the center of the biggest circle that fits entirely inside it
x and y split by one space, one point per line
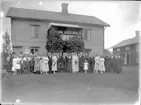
70 52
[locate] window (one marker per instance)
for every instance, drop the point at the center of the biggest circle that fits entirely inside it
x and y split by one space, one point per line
87 34
137 47
33 50
118 50
137 60
127 48
34 31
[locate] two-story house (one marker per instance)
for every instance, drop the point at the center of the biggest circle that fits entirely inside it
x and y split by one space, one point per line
29 28
129 50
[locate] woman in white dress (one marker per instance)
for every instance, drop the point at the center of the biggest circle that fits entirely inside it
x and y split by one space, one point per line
75 63
45 66
101 64
54 63
14 64
86 64
96 67
19 64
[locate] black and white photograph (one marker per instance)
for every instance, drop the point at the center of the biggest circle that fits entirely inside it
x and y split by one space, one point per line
70 52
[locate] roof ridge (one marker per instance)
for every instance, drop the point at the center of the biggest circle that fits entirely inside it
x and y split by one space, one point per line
125 42
86 19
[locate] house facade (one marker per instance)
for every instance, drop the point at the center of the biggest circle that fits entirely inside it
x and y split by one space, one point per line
29 28
128 50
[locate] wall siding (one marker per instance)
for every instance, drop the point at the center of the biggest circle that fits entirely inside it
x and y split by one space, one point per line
21 35
134 53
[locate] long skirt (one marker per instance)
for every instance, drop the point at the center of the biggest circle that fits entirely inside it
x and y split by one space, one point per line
101 67
54 66
36 66
45 67
75 67
96 67
69 66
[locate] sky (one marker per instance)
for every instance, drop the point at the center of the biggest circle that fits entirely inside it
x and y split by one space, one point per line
124 17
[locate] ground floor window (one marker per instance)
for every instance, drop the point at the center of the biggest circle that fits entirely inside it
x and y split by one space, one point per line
33 50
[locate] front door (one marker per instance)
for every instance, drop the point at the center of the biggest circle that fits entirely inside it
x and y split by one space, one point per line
127 58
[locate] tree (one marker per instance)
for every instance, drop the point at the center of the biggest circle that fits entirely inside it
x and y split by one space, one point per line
56 44
6 47
6 42
54 41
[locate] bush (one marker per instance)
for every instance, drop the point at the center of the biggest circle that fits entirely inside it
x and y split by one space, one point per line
55 43
4 60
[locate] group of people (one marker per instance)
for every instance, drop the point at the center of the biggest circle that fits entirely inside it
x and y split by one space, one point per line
62 62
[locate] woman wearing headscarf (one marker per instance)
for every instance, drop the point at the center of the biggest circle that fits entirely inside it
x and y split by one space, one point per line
50 62
92 61
118 67
107 63
69 63
81 62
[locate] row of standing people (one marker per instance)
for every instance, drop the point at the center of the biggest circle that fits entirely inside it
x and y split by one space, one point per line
72 62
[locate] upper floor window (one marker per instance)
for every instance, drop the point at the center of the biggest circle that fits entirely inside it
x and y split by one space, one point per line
34 31
118 49
137 47
127 48
87 34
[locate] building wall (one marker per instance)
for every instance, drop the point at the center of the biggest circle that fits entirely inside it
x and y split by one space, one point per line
96 43
132 51
133 54
21 35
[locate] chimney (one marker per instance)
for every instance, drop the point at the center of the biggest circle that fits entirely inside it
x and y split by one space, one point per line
137 34
64 8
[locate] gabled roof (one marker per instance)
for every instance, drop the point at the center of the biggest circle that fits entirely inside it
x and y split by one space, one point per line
54 16
127 42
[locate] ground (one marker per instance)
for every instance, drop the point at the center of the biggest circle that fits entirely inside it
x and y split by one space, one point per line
73 88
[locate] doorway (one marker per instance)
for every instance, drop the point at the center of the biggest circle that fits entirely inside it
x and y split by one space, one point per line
127 58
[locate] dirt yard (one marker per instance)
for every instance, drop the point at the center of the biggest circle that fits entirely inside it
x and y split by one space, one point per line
73 88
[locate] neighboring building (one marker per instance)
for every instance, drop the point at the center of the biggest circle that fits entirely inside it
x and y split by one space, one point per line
129 50
29 28
108 53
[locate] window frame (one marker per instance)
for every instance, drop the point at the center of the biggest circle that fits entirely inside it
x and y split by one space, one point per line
34 48
118 50
35 26
137 47
127 48
86 36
